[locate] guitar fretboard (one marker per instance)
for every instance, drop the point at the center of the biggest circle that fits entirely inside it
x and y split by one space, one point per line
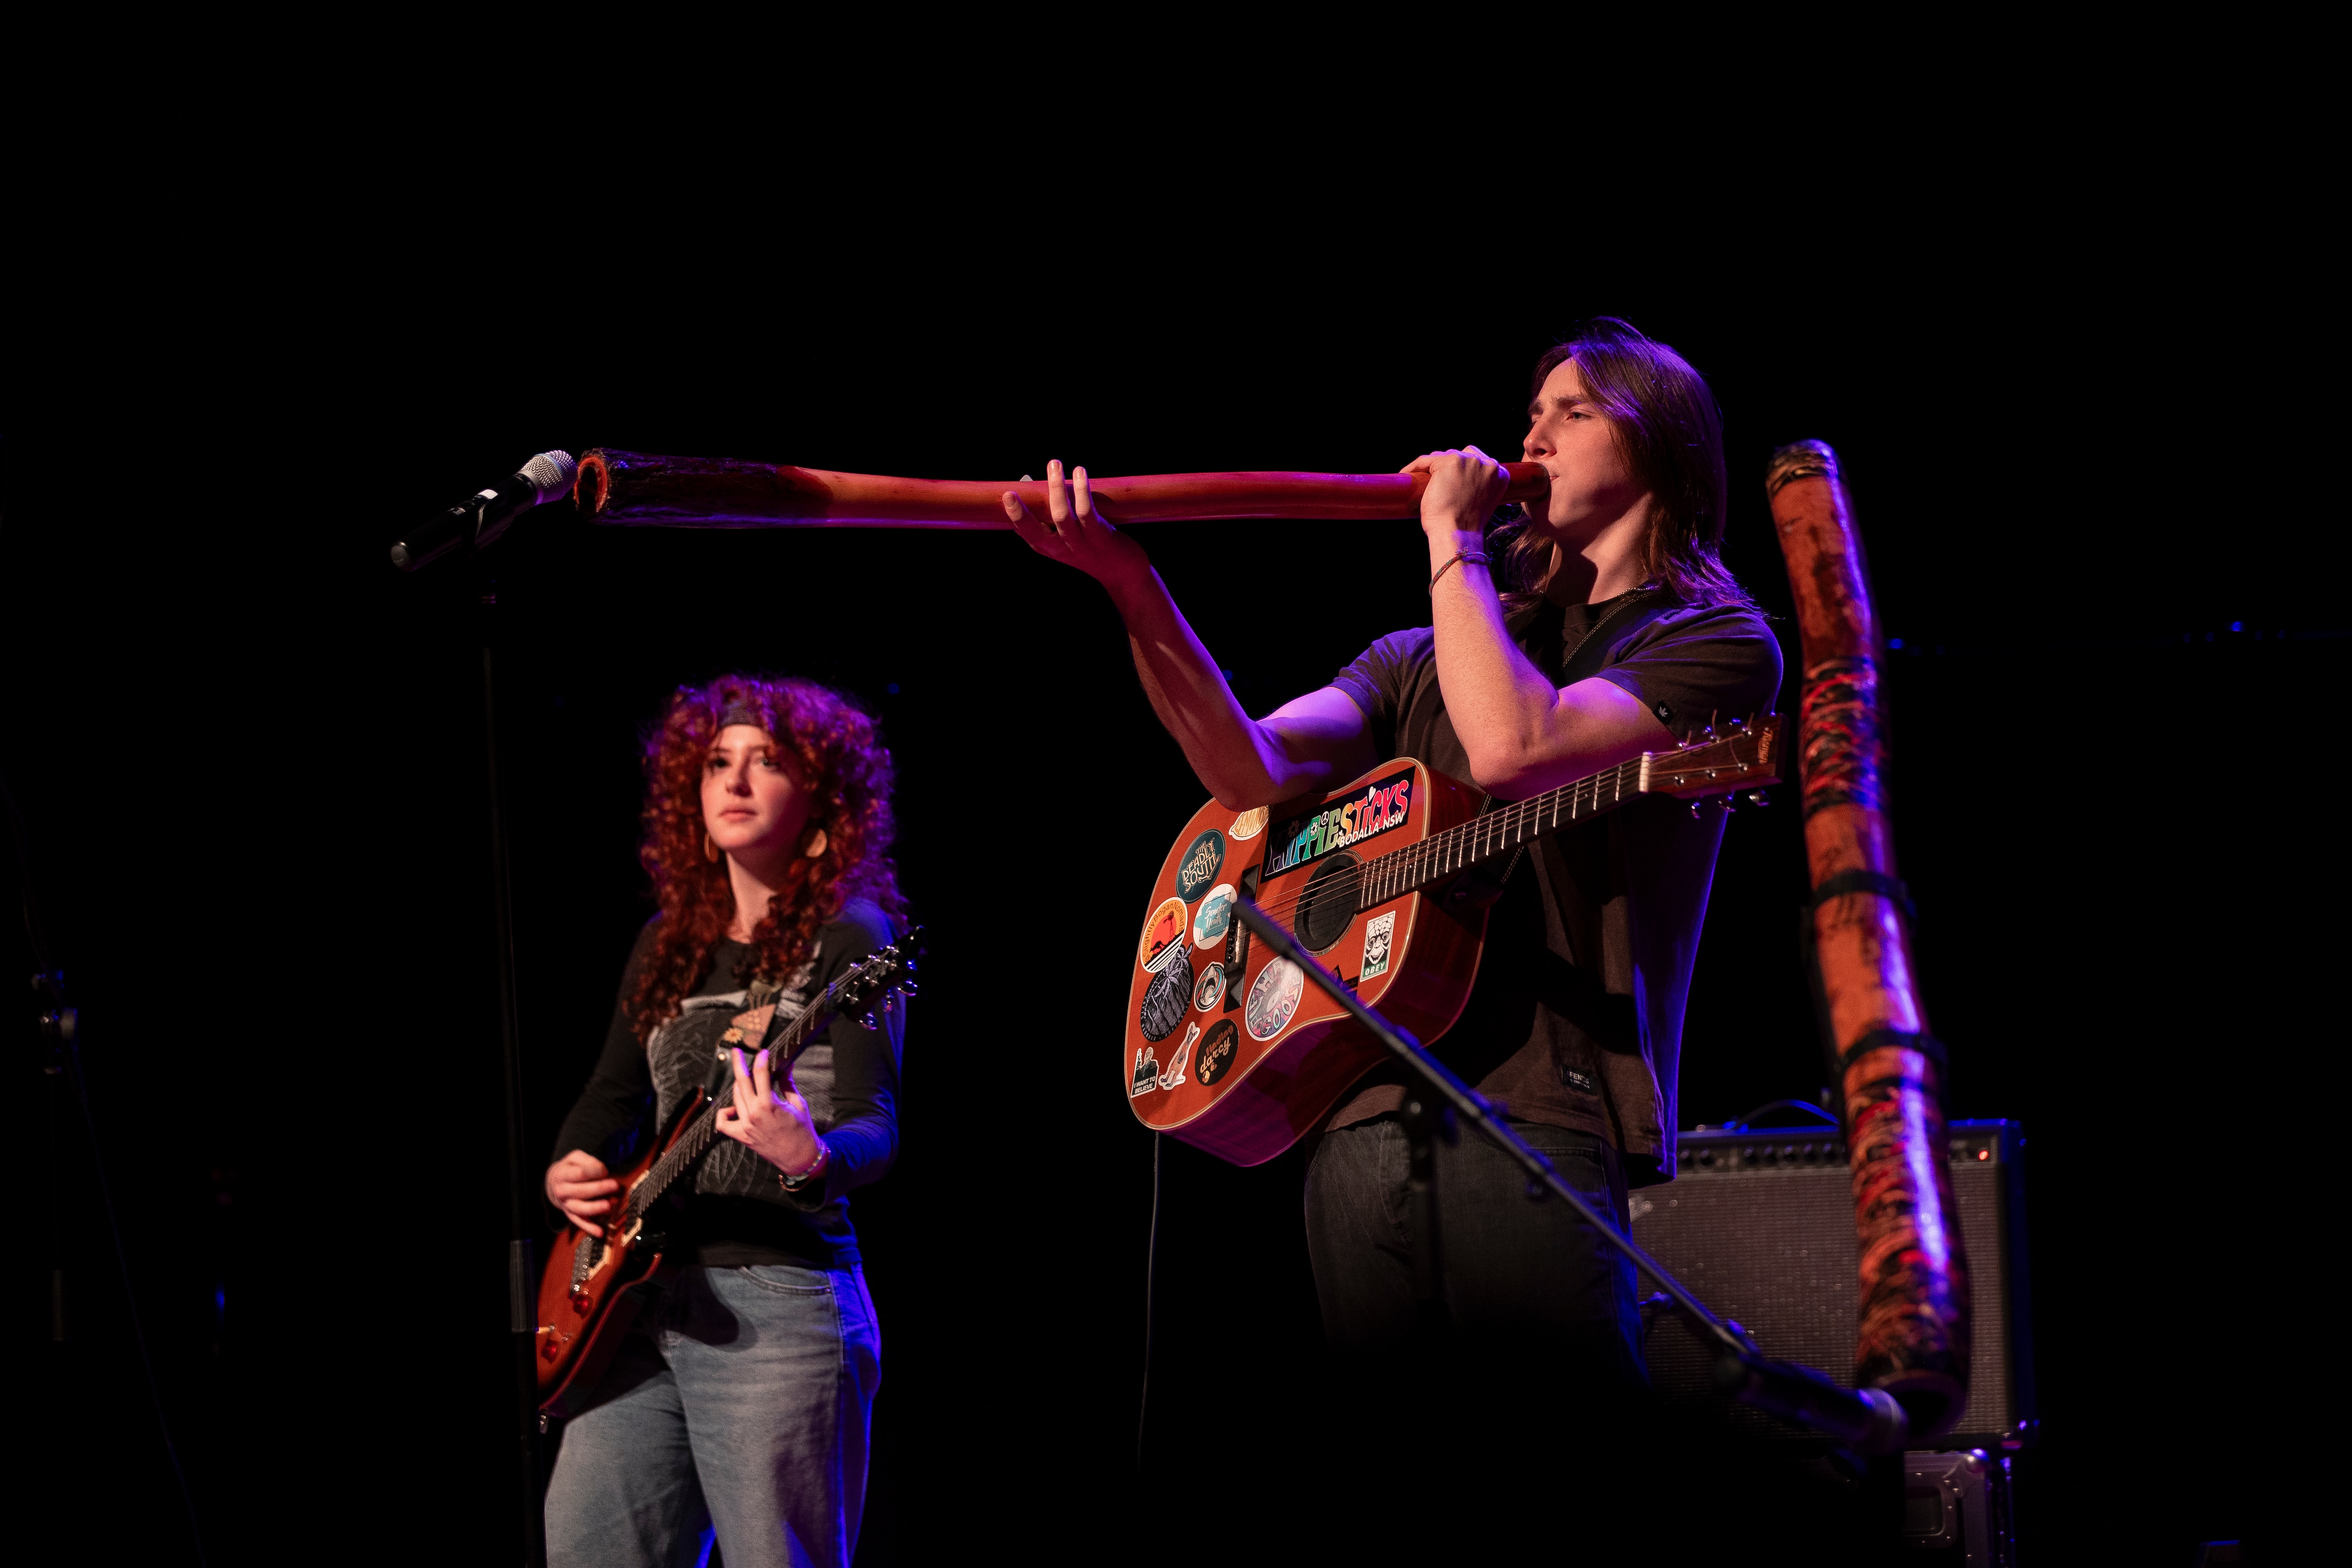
1484 837
695 1141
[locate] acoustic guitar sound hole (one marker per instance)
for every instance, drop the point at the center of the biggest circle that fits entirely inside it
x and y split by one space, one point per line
1328 904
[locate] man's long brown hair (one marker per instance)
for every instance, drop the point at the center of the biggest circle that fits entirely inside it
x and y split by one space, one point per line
840 760
1671 432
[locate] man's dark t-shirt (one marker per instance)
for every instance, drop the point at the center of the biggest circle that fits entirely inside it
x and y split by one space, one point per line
1576 1019
737 1215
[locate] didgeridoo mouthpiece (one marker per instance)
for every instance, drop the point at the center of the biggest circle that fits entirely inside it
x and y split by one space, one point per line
643 489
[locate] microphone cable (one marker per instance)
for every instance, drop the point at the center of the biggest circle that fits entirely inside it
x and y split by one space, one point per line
1150 1263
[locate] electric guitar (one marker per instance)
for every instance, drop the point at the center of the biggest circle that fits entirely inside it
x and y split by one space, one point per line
595 1284
1237 1052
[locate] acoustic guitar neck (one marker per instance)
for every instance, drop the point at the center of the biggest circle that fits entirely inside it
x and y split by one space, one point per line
1743 759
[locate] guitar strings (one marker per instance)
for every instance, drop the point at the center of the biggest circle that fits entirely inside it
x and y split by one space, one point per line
1495 831
691 1144
1480 836
1491 830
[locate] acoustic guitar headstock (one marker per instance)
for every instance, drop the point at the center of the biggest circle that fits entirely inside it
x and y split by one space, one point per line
1745 756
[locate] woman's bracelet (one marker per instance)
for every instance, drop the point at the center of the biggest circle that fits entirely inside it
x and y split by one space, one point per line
1459 556
794 1184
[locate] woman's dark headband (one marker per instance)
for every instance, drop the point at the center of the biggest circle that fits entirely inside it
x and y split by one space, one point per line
741 712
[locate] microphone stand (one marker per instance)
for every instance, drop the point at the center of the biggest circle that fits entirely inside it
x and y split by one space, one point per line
1868 1420
522 1281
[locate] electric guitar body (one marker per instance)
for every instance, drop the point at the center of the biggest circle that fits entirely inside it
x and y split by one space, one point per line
595 1286
1231 1047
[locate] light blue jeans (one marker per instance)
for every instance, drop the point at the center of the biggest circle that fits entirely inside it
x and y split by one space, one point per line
740 1401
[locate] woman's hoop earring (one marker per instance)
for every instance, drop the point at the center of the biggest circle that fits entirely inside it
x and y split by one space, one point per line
709 850
817 842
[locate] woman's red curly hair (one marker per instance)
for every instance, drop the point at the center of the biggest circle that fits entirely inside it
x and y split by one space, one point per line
846 771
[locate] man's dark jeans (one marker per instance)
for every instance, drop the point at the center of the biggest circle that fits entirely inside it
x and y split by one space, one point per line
1532 1291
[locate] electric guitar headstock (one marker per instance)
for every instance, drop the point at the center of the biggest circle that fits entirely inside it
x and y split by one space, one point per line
1747 757
878 981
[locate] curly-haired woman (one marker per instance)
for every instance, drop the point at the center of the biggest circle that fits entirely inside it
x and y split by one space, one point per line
740 1399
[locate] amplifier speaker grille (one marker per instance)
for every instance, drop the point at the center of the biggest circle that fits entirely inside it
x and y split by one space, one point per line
1760 1227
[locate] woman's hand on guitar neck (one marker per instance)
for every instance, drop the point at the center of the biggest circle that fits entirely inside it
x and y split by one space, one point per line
1073 533
775 1127
581 1187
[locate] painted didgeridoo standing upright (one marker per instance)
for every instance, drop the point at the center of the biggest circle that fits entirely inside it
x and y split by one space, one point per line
1914 1305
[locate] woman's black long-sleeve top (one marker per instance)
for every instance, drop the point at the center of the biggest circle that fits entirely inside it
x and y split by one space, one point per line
737 1215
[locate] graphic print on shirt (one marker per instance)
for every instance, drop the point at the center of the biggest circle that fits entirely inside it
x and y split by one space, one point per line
1175 1073
1163 934
1273 998
1210 989
1380 931
1203 858
1165 999
1217 1050
683 1055
1303 840
1214 917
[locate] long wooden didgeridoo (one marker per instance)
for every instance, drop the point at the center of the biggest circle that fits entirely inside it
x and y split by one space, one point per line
721 492
1914 1305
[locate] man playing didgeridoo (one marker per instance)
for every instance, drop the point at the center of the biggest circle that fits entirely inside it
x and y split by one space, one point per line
1576 1018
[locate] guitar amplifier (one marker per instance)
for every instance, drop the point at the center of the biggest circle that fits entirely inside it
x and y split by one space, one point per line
1760 1227
1956 1506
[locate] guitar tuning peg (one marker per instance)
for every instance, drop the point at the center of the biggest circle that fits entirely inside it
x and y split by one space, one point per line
869 1022
1730 804
908 990
1757 797
1694 806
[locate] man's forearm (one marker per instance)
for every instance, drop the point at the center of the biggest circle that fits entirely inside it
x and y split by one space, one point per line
1240 762
1520 732
1503 710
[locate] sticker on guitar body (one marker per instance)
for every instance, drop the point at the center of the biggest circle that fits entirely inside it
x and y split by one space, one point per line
1163 933
1175 1073
1380 931
1147 1077
1273 998
1215 916
1165 999
1201 865
1217 1050
1303 840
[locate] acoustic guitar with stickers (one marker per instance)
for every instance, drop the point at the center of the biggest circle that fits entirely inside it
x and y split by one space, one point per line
595 1284
1235 1051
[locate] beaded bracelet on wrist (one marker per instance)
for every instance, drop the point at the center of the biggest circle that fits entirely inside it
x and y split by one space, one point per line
792 1184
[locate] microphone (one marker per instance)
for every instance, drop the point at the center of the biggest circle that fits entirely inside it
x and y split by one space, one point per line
1868 1420
483 517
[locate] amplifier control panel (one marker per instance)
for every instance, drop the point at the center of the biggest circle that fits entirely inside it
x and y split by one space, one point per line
1799 1148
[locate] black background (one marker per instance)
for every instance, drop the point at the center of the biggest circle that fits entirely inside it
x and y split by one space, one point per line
249 756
